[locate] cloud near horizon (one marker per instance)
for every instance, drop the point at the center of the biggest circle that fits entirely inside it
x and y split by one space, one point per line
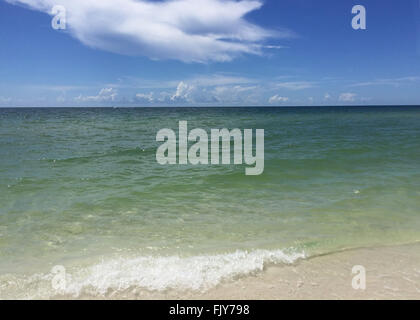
185 30
105 95
347 97
277 99
193 94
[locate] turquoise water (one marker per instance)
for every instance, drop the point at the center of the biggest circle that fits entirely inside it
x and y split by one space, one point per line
81 188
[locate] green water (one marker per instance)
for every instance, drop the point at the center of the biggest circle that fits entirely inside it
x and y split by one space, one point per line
83 184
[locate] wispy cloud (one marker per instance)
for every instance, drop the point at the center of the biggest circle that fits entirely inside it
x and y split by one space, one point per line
296 85
387 82
220 80
186 30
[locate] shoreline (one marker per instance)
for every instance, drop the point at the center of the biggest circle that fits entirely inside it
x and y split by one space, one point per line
391 273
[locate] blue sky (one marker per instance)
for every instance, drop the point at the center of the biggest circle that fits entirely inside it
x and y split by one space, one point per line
209 53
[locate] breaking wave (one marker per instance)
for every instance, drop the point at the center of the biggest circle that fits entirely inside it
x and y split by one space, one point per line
196 273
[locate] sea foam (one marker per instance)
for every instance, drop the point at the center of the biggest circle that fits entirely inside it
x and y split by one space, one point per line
196 273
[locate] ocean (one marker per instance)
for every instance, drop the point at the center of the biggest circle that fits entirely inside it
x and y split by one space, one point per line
80 188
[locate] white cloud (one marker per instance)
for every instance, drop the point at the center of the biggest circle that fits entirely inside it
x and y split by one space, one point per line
274 47
295 85
183 92
327 96
187 93
106 94
347 97
144 98
277 99
234 94
186 30
209 80
5 100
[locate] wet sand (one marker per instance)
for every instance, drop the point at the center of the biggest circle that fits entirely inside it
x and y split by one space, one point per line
391 273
